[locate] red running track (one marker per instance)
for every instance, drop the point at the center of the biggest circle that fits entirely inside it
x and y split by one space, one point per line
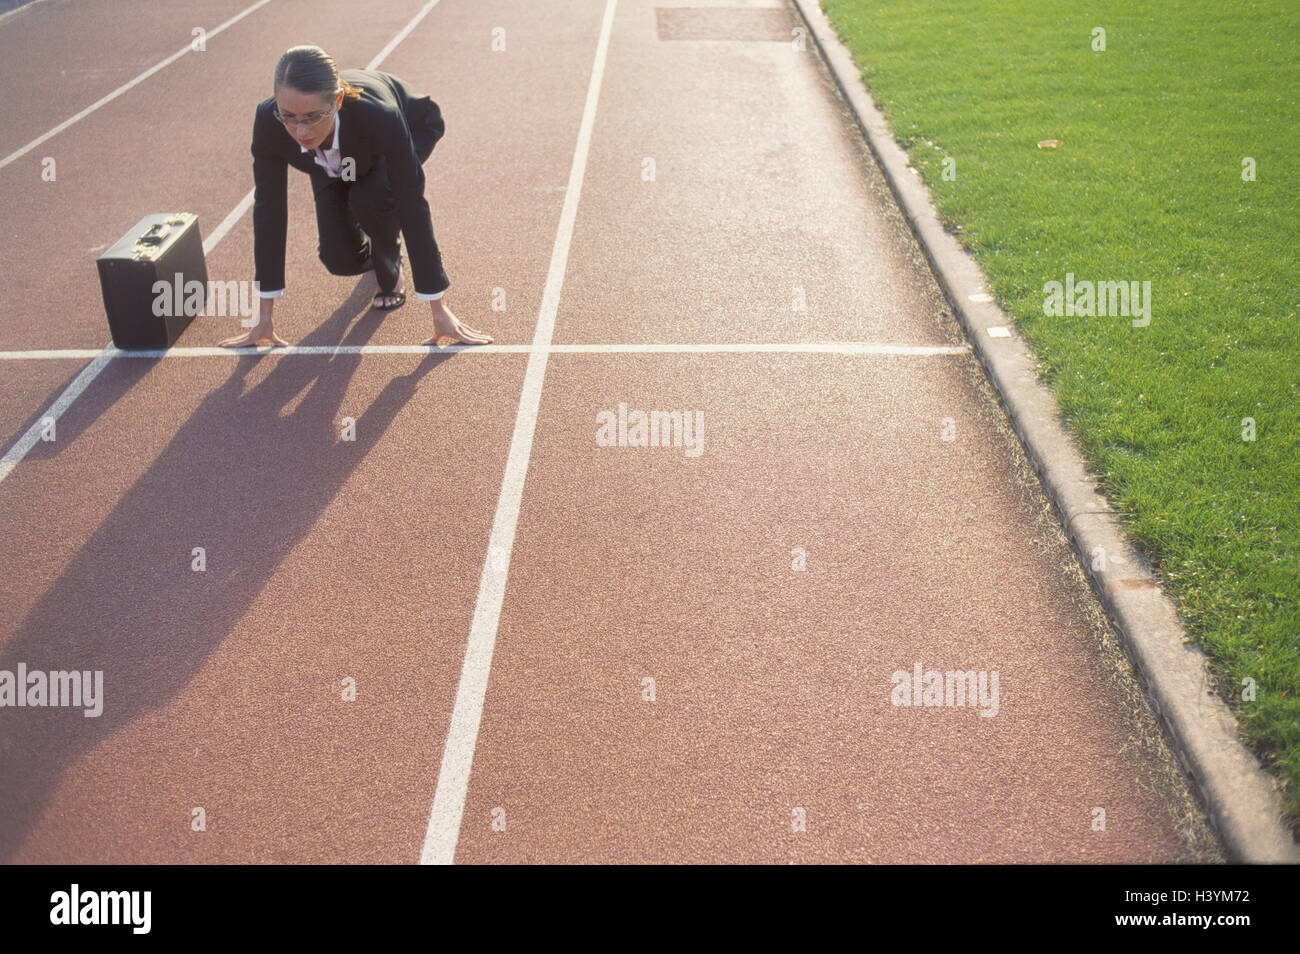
672 656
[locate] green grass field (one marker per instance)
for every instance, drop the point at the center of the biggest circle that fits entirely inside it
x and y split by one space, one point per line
1147 185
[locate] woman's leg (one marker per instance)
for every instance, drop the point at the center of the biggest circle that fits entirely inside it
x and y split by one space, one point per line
344 247
371 201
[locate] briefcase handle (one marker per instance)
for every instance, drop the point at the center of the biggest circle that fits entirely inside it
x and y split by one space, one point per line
155 235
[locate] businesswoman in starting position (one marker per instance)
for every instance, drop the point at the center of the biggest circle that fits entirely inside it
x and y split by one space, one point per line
362 136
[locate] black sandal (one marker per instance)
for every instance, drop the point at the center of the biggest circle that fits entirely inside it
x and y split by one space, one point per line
399 295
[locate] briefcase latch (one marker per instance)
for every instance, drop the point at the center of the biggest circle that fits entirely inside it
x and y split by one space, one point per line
148 245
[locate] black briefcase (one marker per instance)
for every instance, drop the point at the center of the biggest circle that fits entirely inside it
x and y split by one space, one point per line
154 280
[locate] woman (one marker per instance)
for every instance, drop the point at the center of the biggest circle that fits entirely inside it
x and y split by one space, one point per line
362 136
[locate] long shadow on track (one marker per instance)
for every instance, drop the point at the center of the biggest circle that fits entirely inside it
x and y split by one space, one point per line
238 479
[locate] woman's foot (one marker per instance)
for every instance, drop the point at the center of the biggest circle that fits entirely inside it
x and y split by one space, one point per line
387 300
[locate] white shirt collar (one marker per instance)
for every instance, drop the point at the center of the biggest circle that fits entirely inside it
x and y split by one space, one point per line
337 124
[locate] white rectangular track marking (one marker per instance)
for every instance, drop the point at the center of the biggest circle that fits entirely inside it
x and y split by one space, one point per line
458 755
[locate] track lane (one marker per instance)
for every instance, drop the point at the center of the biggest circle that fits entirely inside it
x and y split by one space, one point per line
630 561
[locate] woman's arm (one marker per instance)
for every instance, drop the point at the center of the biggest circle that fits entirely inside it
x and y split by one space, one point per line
270 231
270 203
406 176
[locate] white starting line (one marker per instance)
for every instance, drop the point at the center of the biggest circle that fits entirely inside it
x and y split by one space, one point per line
817 347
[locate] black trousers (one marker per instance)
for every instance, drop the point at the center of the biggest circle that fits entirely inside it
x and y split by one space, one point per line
358 223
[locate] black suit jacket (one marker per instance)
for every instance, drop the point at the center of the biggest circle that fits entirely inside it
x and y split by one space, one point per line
388 120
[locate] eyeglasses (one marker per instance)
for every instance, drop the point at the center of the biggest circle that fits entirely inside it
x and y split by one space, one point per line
311 119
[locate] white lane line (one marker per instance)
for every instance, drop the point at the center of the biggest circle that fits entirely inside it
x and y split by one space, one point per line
52 355
405 32
228 223
458 755
827 347
124 88
818 347
102 358
53 412
14 12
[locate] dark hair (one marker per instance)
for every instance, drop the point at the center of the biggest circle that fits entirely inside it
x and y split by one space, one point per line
309 69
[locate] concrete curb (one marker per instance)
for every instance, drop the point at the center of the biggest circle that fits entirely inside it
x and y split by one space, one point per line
1241 798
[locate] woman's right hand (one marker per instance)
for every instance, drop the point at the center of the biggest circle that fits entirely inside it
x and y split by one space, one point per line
262 332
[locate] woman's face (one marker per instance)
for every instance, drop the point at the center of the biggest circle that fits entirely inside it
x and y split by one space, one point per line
302 108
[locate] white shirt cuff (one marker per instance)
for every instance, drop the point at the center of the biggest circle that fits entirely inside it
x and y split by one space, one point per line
434 297
270 294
